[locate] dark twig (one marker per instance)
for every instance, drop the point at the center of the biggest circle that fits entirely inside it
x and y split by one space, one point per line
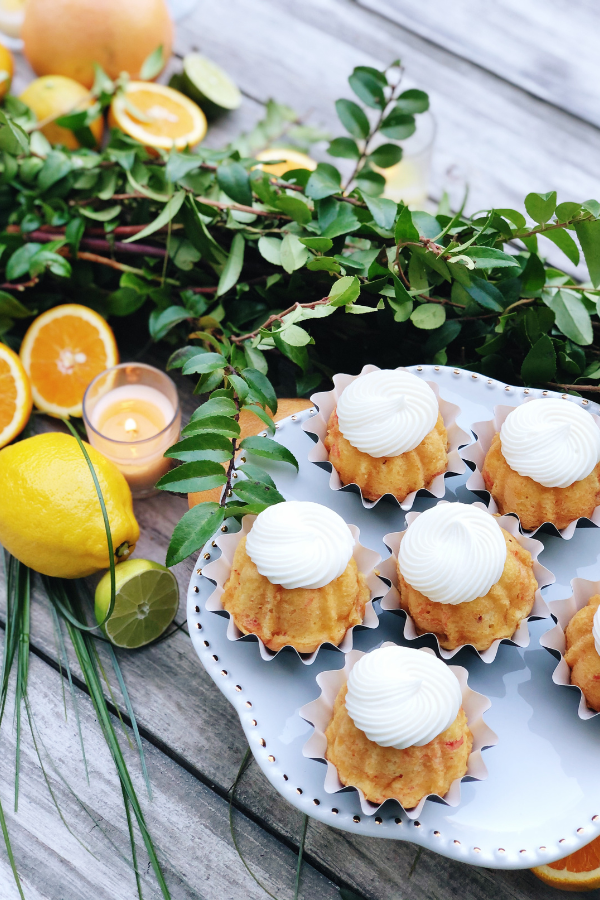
277 318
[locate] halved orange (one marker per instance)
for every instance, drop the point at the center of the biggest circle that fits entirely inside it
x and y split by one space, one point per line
63 350
15 396
580 871
289 159
157 116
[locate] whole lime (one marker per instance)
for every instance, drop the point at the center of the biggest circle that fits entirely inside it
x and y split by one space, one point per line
146 602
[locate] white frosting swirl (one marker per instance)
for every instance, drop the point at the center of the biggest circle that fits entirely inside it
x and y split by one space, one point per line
596 630
453 553
402 697
553 441
387 412
299 544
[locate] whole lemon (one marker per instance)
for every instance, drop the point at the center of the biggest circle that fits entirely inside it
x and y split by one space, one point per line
7 68
50 516
53 96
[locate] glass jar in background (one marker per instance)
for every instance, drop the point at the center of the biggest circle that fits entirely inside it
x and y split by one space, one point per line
409 180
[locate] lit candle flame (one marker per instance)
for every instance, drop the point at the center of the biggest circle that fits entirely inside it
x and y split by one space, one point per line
130 426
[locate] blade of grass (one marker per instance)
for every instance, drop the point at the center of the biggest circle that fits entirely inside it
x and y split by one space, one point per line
111 551
132 842
59 656
244 765
300 855
9 852
71 688
24 601
110 694
84 647
130 713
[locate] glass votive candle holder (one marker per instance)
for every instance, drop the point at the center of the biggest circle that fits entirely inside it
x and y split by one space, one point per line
408 180
132 416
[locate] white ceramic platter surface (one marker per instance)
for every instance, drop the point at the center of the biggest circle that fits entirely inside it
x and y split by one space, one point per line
541 799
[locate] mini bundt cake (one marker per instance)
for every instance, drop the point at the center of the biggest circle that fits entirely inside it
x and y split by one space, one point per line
544 464
464 578
294 580
398 728
387 435
582 656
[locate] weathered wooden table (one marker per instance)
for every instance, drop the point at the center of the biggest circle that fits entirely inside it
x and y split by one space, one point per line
515 93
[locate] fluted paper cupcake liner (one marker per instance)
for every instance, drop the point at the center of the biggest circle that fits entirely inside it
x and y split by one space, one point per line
320 711
219 571
477 451
555 642
389 570
326 402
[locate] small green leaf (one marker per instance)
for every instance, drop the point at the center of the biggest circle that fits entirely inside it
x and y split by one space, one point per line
257 492
271 449
321 245
193 530
428 316
255 473
367 88
405 230
169 212
566 211
293 253
564 242
233 267
541 206
261 385
540 363
369 182
323 264
201 443
517 218
398 125
345 290
572 318
589 238
386 155
215 406
295 336
264 417
213 424
193 476
413 101
340 219
382 210
153 64
486 294
100 215
204 362
233 179
323 182
490 258
534 277
270 249
124 302
11 307
353 118
592 206
161 322
178 359
295 208
344 147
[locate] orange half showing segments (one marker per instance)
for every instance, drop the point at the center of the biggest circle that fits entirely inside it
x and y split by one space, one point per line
580 871
62 352
15 396
157 116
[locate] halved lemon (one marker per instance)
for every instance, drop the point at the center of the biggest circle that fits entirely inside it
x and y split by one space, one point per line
62 352
15 396
157 116
288 160
580 871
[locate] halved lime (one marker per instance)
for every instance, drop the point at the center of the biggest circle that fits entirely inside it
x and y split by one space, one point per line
207 84
146 602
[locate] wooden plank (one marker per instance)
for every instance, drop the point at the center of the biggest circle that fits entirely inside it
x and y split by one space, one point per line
503 141
546 48
181 710
188 821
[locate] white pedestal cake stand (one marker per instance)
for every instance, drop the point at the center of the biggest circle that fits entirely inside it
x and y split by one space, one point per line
541 799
